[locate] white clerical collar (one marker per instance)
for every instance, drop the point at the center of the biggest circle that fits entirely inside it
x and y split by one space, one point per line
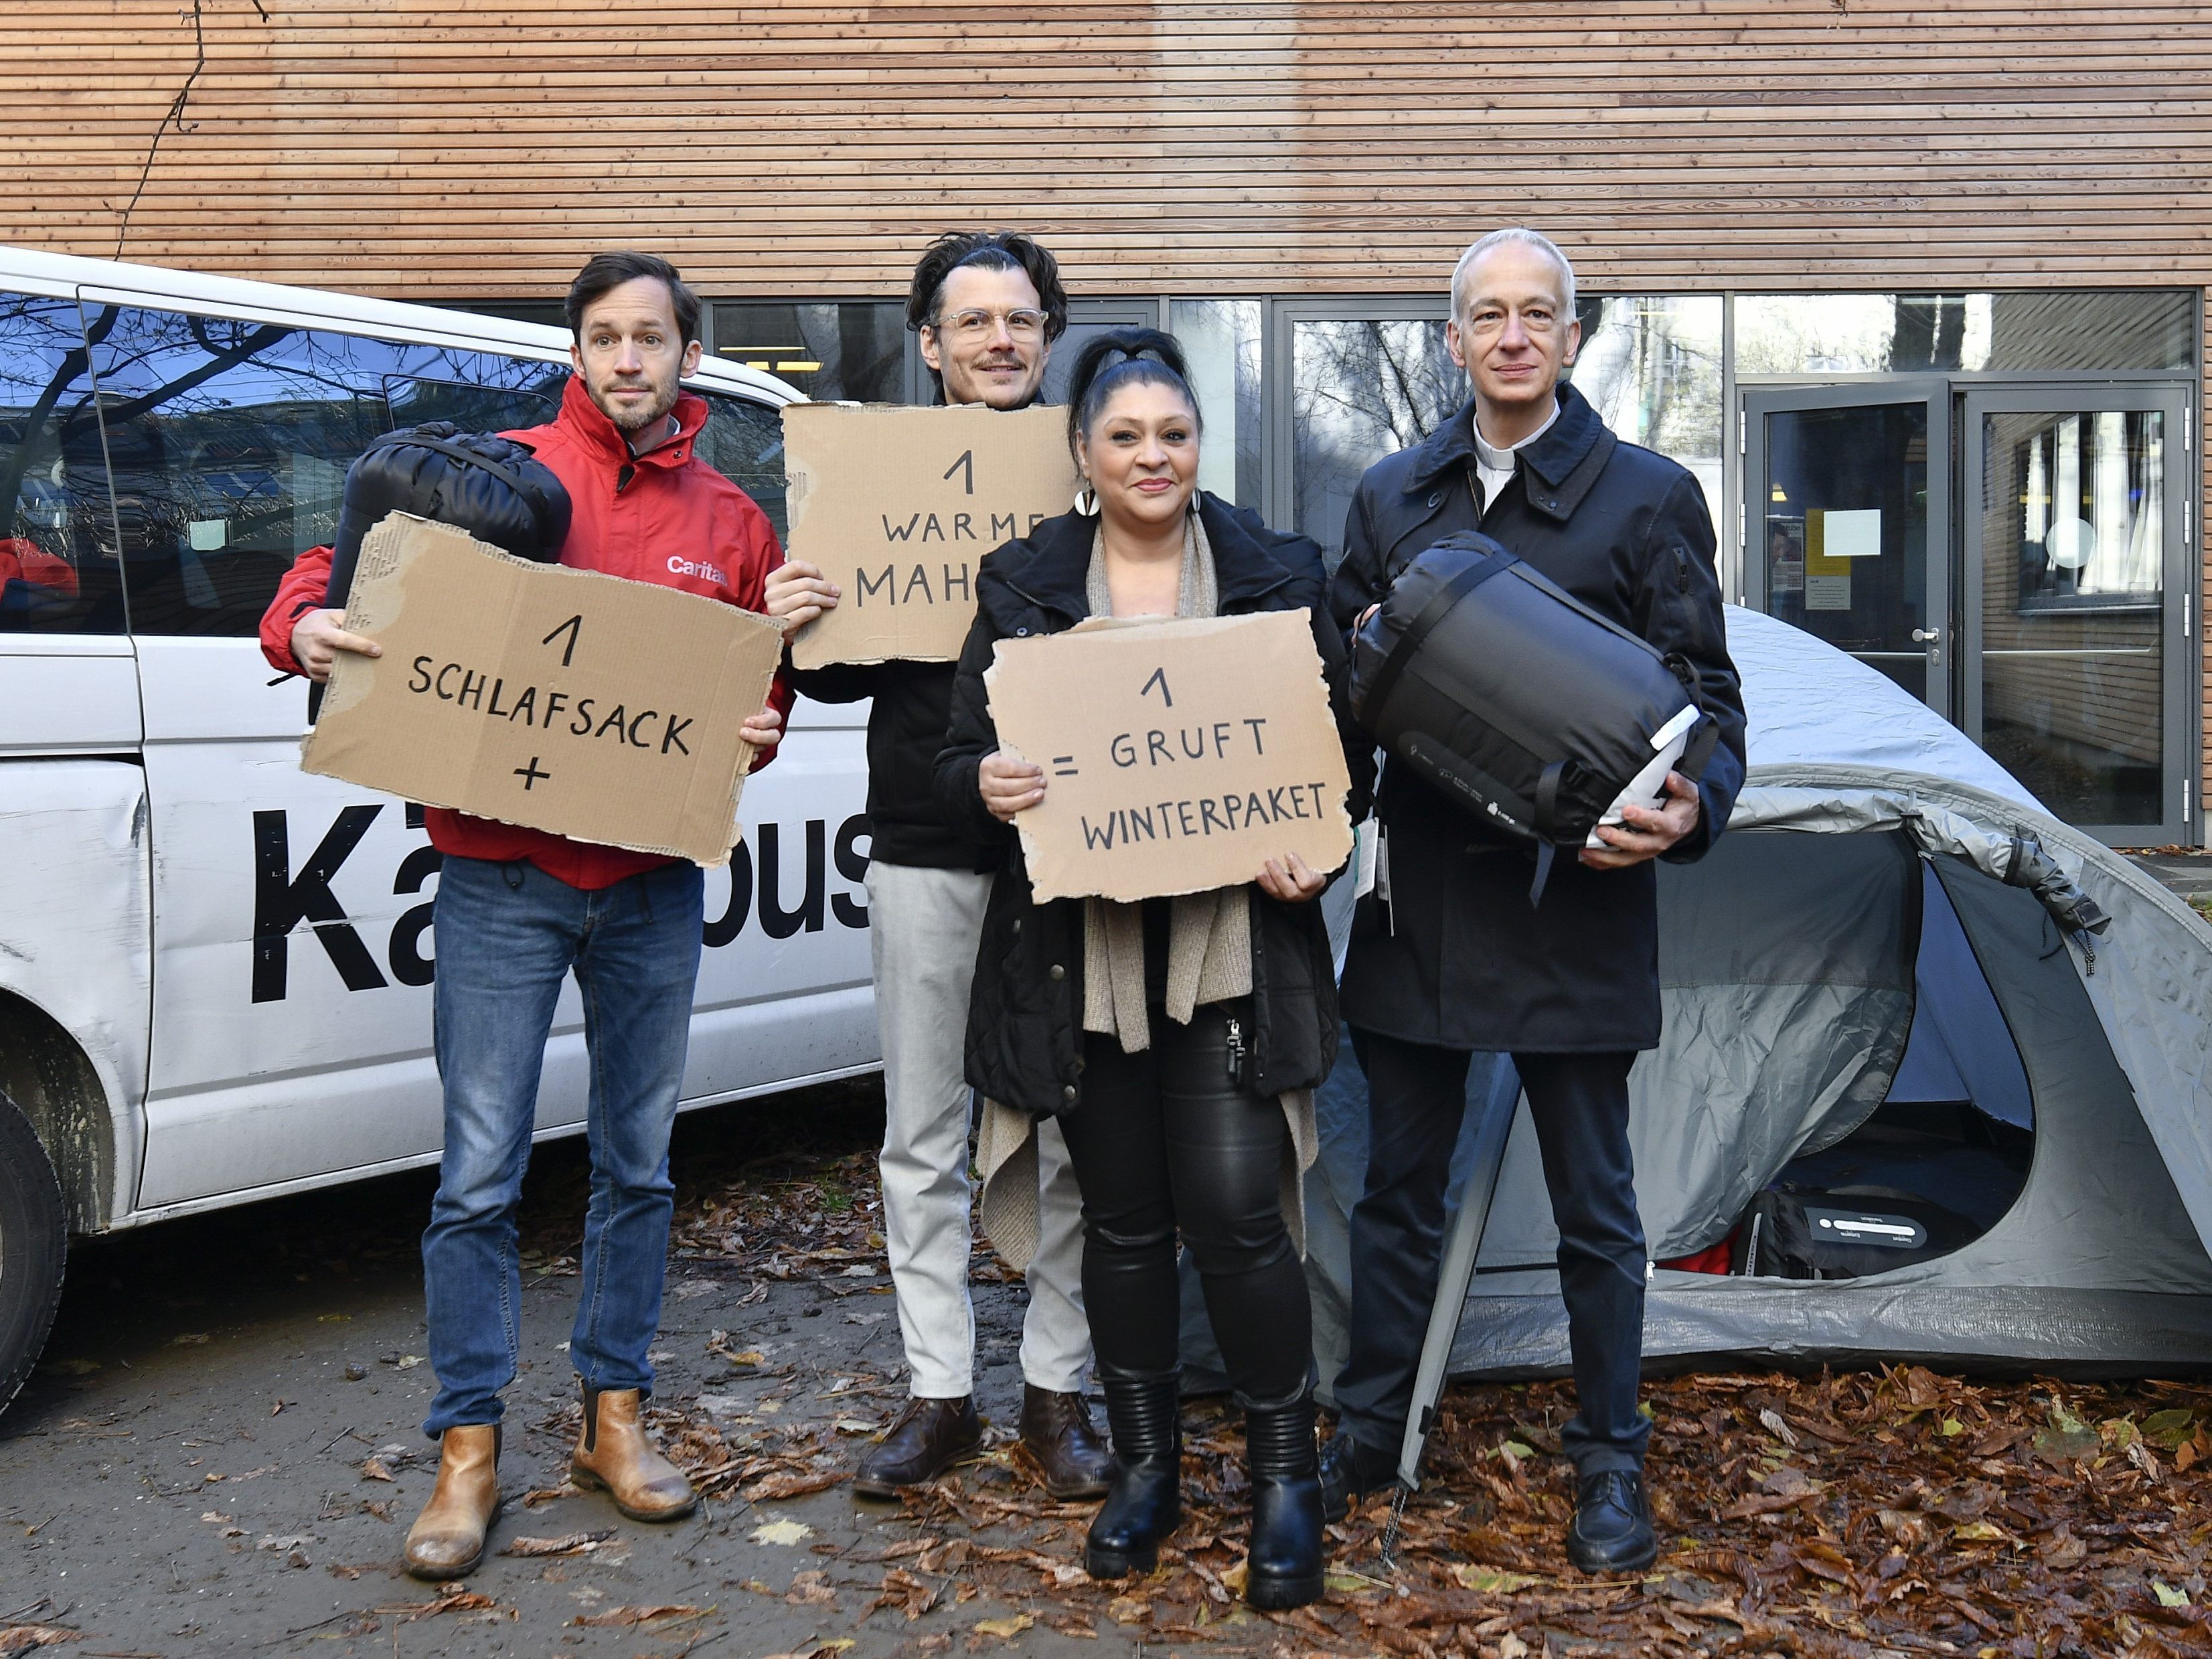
1501 460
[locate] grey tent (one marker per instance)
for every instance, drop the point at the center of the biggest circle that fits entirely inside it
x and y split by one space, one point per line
1858 1002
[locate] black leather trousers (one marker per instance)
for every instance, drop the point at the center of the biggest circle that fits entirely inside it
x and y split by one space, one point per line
1167 1141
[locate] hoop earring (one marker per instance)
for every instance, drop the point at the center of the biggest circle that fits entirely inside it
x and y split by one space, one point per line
1086 500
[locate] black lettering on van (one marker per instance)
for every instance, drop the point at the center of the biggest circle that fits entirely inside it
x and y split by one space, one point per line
405 953
776 922
720 930
282 901
852 865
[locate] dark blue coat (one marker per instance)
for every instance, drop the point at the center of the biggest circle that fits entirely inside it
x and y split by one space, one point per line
1459 959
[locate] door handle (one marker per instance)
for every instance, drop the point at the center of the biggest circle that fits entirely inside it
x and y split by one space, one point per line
1926 635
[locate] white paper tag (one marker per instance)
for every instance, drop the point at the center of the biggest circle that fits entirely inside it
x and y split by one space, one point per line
1364 839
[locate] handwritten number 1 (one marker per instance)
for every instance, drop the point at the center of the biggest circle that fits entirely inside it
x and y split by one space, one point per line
1159 678
967 463
572 628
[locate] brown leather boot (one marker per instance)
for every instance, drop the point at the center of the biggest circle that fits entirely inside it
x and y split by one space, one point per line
1057 1432
447 1539
613 1455
929 1436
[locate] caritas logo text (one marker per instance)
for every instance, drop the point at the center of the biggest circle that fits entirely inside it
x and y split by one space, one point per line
712 573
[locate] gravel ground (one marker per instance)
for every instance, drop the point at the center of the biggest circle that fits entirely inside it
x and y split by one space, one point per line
194 1469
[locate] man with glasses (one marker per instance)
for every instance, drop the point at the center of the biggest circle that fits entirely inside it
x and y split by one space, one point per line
1452 959
987 307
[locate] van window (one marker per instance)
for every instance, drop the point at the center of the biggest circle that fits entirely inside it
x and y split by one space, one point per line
229 443
744 442
58 572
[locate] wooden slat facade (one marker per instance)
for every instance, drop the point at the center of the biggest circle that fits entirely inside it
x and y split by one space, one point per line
447 149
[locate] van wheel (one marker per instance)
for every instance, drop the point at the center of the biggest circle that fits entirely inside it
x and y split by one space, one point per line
33 1246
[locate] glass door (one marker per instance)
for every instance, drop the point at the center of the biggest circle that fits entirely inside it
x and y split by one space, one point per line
2076 601
1847 521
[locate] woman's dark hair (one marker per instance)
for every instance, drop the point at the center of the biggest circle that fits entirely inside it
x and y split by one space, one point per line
986 250
608 271
1126 357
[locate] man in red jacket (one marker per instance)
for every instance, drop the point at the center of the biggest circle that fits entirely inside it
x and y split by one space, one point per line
518 910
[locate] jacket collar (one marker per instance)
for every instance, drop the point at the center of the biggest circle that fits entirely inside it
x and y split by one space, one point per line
1556 459
588 423
1056 575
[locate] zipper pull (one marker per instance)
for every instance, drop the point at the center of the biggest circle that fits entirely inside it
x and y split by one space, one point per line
1235 1050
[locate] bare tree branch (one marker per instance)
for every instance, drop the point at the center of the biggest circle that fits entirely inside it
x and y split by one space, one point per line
175 117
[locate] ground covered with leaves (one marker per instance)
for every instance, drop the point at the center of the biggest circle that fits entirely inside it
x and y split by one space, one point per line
1894 1511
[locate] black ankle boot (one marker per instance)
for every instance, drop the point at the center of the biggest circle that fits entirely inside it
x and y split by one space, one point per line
1147 1499
1285 1570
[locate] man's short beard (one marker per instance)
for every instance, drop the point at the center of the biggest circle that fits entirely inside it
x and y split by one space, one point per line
635 423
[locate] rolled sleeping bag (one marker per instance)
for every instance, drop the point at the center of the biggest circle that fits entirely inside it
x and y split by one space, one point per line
1520 703
492 486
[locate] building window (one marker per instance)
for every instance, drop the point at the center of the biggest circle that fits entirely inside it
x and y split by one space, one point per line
850 351
2048 330
1221 340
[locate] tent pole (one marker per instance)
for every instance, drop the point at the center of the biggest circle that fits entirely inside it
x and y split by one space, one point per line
1457 1272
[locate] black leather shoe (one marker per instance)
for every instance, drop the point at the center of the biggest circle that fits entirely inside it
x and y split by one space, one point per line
929 1436
1285 1566
1145 1504
1057 1432
1612 1530
1349 1471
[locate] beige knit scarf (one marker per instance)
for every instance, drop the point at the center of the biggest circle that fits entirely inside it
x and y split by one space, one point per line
1210 934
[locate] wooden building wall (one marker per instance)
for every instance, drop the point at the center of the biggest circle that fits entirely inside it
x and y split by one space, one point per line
472 148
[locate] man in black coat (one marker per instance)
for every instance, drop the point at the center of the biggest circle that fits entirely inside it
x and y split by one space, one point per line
987 306
1447 956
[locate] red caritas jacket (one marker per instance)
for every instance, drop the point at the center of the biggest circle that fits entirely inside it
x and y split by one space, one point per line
664 516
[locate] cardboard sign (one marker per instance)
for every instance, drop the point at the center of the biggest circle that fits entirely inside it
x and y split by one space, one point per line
1178 756
897 507
562 699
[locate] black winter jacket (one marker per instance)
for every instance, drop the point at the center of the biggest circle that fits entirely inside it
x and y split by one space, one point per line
906 728
1025 1016
1458 959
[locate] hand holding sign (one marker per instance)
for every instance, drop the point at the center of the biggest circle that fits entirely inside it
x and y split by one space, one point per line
1198 754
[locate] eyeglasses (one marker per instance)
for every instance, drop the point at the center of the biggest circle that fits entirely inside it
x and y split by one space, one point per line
978 326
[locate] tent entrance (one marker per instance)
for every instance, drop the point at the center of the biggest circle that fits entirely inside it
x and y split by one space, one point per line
1935 1165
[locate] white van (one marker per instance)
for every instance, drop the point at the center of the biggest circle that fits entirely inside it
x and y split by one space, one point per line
215 970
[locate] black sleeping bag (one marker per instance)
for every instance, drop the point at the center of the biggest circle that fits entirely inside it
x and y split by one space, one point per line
1517 700
492 486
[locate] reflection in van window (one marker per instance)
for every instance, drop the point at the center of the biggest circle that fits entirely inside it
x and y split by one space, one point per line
58 573
229 443
744 442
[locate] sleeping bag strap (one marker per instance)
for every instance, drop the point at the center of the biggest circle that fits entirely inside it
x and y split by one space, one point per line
1438 607
499 470
1699 749
1546 819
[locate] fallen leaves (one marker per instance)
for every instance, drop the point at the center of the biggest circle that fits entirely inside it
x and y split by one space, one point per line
787 1533
618 1617
21 1639
574 1543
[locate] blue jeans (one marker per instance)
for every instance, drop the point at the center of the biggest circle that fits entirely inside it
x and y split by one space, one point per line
508 934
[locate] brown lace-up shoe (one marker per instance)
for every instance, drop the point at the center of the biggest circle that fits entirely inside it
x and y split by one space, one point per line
613 1454
447 1539
929 1436
1057 1432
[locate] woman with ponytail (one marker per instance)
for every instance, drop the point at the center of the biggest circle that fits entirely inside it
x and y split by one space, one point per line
1177 1042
